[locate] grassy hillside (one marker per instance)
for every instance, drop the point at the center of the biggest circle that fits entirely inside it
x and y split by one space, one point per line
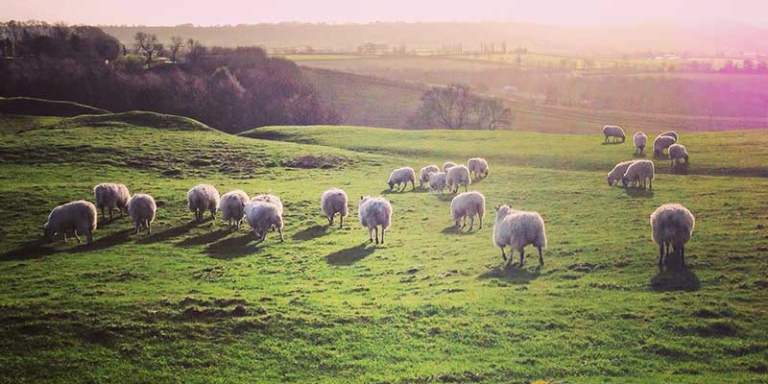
199 303
42 107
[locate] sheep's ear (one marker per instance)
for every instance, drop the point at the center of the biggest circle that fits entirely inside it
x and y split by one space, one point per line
496 207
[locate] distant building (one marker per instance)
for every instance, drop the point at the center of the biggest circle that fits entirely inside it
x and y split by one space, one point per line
373 49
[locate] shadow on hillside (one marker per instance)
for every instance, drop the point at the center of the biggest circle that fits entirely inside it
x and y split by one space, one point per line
31 250
680 169
314 232
350 256
205 238
452 230
512 274
234 247
613 142
100 243
446 196
639 192
167 234
660 156
675 277
639 155
396 190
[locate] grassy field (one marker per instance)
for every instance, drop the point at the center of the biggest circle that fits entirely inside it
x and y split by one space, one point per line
199 303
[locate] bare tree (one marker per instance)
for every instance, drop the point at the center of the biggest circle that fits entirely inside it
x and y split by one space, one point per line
176 43
196 50
491 113
448 107
148 44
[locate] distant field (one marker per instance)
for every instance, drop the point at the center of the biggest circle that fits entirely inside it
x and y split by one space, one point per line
200 303
540 60
315 57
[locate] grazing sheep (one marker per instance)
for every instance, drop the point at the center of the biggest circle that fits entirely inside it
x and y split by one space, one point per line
468 204
77 216
518 229
457 176
232 207
672 225
424 174
614 131
448 165
638 172
203 198
142 209
677 152
374 212
402 176
640 139
334 201
478 166
618 172
262 216
111 196
670 134
661 143
437 181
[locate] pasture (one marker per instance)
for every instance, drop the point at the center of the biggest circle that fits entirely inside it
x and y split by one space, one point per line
199 303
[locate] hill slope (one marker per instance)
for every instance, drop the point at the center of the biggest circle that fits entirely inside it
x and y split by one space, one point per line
202 303
43 107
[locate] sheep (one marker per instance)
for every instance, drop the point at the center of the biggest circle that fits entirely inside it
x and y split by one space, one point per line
456 176
468 204
111 196
424 174
478 166
661 143
448 165
640 139
374 212
262 216
677 152
201 198
334 201
142 209
672 225
78 216
232 207
518 229
272 199
638 172
437 181
618 172
670 134
614 131
402 176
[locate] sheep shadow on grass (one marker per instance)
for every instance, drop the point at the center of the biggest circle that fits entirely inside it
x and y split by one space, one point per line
511 273
675 276
205 238
639 155
680 169
613 142
101 243
314 232
167 234
31 250
639 192
351 255
452 230
398 191
446 196
233 247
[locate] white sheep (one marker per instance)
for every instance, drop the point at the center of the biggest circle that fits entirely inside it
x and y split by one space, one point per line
661 143
468 204
232 207
670 134
478 166
269 198
618 172
374 212
677 152
638 172
448 165
640 139
77 216
424 174
402 176
262 216
335 201
111 196
201 198
142 208
457 176
518 229
672 225
615 132
437 181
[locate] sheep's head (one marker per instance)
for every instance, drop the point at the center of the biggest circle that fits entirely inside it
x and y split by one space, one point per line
502 210
48 233
391 184
625 181
609 180
363 199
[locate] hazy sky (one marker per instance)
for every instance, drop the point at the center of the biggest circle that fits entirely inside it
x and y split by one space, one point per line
209 12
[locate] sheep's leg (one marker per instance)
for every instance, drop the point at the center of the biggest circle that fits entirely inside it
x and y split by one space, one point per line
77 237
264 234
650 183
103 215
280 231
64 234
503 254
149 227
661 255
541 258
213 213
471 222
341 221
682 255
466 187
481 222
376 231
522 256
382 234
413 185
370 235
138 226
111 209
330 220
89 236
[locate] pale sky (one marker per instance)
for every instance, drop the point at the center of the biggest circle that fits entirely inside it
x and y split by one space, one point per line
212 12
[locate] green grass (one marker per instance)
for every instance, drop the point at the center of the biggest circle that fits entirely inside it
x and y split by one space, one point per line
198 303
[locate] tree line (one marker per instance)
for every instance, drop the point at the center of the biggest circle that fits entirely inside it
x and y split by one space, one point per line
456 107
232 89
